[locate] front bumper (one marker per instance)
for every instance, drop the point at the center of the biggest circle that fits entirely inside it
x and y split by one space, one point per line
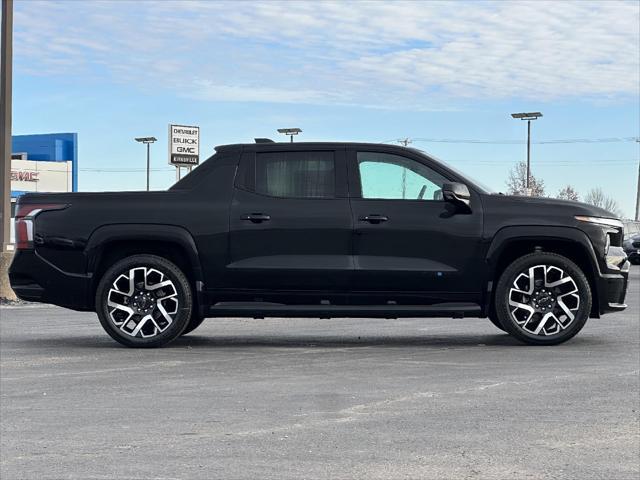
612 290
34 279
634 255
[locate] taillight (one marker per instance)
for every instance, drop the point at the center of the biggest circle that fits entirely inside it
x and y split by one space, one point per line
25 216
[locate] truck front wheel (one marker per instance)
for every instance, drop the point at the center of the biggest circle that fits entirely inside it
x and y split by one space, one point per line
543 299
195 322
144 301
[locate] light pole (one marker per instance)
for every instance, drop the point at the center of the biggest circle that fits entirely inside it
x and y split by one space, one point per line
638 188
147 141
290 131
528 116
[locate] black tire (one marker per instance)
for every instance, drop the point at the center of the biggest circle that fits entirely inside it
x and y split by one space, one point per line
580 299
195 321
181 301
494 319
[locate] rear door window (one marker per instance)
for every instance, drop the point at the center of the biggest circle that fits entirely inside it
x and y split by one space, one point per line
296 174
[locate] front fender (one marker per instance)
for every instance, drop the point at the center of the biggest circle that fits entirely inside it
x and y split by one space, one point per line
509 235
572 239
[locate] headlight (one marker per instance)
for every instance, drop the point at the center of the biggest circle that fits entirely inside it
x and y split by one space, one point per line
607 222
614 254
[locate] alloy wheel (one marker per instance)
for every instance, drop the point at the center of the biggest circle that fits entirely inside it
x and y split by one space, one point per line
142 302
544 300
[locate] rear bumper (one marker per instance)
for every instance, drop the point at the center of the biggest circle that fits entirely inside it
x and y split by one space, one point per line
34 279
612 290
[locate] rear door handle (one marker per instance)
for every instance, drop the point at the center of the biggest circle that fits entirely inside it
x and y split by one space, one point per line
374 218
256 217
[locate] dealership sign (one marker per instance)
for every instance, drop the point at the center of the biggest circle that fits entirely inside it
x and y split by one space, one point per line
184 145
41 176
24 176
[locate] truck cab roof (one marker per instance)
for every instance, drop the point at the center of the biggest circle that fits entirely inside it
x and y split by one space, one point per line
296 146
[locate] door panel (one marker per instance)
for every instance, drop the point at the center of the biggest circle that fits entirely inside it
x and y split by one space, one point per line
421 246
282 243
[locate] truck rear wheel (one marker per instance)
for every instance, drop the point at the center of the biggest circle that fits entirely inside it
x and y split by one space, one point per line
543 299
494 319
144 301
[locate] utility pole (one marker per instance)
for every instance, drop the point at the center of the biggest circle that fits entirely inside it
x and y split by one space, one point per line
404 141
528 116
5 128
6 64
147 141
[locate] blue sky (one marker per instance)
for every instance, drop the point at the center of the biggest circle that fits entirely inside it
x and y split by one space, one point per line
364 71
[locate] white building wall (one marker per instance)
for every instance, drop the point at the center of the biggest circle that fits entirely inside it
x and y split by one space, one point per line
41 176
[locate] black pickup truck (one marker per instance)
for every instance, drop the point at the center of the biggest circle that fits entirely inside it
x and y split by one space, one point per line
319 230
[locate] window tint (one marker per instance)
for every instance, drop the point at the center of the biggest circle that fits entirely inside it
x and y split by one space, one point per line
296 174
393 177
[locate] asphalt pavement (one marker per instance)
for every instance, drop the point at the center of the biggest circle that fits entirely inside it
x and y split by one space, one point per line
318 399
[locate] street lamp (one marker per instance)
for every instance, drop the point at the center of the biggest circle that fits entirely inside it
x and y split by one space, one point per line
147 141
528 116
637 217
290 131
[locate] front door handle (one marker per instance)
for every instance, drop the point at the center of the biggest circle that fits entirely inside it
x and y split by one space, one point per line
374 218
256 217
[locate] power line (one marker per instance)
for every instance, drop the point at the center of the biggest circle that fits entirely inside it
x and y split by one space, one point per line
591 140
580 161
559 162
519 142
407 140
120 170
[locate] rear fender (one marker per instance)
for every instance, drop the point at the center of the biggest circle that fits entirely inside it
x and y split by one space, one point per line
105 235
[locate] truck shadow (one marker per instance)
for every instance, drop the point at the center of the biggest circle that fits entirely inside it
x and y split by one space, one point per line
337 342
302 341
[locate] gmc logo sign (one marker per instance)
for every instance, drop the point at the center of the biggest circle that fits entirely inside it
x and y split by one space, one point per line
22 176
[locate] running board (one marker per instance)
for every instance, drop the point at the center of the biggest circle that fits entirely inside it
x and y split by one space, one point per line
266 309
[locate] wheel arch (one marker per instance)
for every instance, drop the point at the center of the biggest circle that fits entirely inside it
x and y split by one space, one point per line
513 242
111 243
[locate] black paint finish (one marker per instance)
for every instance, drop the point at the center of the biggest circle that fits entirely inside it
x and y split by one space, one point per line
251 254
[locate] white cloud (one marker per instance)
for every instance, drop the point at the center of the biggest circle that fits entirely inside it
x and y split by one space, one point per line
386 54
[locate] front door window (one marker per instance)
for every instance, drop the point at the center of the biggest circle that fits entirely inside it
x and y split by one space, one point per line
392 177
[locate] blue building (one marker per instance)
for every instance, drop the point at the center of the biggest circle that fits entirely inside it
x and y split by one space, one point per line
44 163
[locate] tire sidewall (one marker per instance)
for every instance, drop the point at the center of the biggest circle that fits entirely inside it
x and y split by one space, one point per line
194 323
185 300
516 268
493 318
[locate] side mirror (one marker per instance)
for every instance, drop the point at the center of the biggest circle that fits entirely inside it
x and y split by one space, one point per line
458 194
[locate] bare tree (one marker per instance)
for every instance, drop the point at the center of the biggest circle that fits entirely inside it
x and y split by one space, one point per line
568 193
517 182
597 197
